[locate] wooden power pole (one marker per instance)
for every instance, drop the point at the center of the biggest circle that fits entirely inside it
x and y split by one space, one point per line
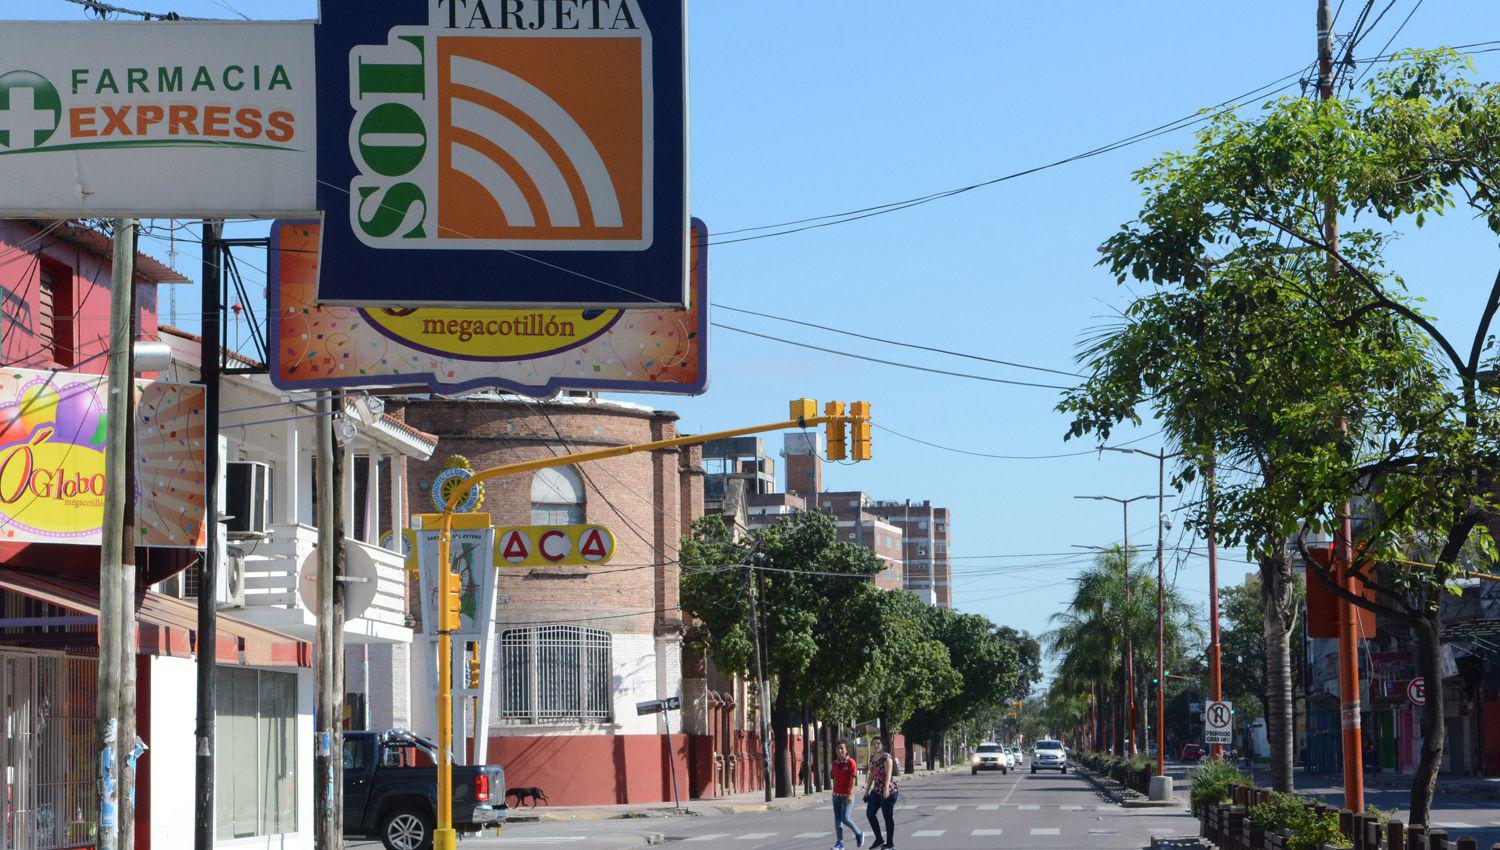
209 364
328 687
117 458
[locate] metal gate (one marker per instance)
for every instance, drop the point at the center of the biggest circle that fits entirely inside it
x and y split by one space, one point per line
46 745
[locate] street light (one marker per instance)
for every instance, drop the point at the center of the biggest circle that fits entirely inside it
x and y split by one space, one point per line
1161 656
1131 719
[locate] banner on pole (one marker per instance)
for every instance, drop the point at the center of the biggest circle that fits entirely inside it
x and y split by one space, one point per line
503 154
52 460
186 119
446 350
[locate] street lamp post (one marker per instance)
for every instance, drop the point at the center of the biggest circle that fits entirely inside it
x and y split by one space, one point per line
1130 719
1161 656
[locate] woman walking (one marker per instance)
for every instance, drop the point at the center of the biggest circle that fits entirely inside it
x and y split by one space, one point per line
845 771
880 794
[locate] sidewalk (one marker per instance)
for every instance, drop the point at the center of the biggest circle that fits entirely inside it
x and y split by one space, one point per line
1467 786
707 807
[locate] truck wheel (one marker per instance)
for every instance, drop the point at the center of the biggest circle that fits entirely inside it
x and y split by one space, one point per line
407 828
974 771
1065 770
1033 770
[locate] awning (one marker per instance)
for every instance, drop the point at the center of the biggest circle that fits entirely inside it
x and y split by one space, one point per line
167 625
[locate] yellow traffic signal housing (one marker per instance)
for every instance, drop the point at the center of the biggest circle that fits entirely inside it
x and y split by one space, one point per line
859 428
450 600
834 429
803 408
473 648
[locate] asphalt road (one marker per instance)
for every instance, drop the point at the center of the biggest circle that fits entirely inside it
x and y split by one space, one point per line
1046 811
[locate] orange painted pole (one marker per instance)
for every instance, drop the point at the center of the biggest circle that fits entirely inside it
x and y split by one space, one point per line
1215 676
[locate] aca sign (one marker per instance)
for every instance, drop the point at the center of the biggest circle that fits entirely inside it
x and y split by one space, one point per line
460 132
554 546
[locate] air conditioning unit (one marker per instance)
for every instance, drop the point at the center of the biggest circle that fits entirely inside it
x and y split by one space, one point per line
232 578
247 499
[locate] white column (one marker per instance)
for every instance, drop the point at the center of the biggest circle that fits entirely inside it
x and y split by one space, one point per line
289 510
372 499
349 489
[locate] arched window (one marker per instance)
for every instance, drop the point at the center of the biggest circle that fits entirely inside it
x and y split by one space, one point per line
557 497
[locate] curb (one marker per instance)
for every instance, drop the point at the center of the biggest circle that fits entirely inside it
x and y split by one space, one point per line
1122 796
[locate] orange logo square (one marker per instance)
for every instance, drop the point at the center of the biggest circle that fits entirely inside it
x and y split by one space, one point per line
544 141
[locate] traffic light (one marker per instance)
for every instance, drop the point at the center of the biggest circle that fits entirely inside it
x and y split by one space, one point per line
473 648
859 428
834 428
450 600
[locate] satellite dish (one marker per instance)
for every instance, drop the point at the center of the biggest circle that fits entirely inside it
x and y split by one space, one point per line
359 590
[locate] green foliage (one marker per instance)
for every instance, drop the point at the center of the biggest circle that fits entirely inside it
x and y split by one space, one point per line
1211 779
1309 830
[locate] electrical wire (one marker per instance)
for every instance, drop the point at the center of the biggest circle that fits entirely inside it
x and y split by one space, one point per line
971 453
881 361
896 342
1390 41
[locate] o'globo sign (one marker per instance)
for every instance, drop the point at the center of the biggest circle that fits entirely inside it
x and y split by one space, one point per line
503 153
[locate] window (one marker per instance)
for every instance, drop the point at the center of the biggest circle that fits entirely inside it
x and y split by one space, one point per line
255 772
54 314
555 674
556 497
922 525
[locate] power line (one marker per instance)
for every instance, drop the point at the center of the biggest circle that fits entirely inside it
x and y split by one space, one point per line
1391 40
897 342
896 363
999 456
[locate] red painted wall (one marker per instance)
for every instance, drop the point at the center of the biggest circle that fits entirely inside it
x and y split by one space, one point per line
24 250
589 770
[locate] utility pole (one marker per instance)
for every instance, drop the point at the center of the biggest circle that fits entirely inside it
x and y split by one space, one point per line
328 685
1354 776
117 458
757 593
208 631
125 751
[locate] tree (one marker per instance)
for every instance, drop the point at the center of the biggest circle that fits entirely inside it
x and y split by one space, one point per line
1399 420
1245 662
817 592
988 664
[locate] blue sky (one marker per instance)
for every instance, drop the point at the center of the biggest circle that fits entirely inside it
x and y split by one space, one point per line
802 109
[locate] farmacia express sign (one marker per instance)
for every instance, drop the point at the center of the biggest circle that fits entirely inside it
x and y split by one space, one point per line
169 119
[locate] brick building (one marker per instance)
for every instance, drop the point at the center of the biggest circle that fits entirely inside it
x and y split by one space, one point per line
928 536
576 649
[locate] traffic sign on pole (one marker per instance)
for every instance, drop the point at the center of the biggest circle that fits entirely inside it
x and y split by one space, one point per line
1218 722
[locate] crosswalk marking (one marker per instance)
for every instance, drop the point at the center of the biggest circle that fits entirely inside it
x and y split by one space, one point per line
987 832
1043 831
1071 808
928 833
1458 825
1103 832
1030 808
810 834
712 836
989 807
755 836
1162 830
947 808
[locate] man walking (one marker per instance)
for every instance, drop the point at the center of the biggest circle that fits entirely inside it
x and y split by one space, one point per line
845 772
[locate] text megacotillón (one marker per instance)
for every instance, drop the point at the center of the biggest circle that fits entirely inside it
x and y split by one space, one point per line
222 121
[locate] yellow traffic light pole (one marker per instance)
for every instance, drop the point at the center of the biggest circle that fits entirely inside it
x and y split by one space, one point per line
804 414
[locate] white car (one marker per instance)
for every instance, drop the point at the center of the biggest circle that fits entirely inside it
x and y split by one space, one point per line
1020 757
991 756
1049 755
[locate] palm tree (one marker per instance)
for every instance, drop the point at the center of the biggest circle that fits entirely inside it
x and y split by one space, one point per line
1091 634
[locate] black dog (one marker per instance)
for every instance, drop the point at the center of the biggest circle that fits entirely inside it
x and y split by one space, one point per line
522 794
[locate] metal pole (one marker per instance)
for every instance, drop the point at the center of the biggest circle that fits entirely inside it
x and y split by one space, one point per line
763 662
444 838
1161 629
1354 777
666 719
117 456
208 632
1131 742
1216 683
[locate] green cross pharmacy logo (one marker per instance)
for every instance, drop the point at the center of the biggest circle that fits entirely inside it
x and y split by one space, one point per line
30 110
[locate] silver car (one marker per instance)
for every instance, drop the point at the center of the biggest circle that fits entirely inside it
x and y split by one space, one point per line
1049 755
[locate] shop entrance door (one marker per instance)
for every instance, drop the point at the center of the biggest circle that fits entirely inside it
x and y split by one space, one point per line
47 750
18 686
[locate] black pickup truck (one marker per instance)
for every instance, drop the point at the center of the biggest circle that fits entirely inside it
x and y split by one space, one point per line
390 790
